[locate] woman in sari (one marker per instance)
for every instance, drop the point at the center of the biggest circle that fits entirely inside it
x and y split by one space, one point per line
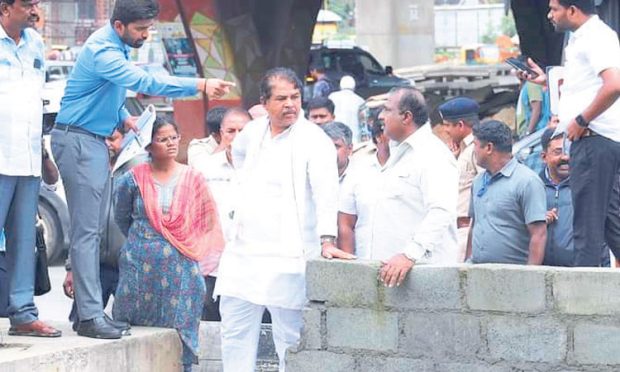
168 215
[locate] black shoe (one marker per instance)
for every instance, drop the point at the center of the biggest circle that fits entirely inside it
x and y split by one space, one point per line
98 328
124 327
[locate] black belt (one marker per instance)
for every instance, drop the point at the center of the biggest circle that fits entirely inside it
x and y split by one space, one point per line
71 128
589 133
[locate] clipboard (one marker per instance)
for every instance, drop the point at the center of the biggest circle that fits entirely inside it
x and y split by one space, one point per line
135 143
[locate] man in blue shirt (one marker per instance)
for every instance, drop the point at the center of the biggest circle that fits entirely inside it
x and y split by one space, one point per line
92 107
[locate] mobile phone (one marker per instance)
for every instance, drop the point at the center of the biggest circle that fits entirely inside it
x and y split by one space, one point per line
521 66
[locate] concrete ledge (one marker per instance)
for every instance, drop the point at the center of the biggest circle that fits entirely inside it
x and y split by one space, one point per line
147 349
485 318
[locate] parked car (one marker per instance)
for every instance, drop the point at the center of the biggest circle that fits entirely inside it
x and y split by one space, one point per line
528 149
344 59
57 70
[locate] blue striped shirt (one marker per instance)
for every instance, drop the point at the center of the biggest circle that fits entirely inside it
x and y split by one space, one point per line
22 75
94 98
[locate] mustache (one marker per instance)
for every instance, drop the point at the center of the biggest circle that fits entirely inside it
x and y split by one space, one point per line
563 162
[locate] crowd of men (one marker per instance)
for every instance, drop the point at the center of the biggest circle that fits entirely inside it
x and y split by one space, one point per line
289 188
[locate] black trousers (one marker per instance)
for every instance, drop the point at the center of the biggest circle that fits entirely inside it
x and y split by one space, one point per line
595 187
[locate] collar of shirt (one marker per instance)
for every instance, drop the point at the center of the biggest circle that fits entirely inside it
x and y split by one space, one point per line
508 169
417 138
583 30
113 37
548 180
23 38
467 140
415 141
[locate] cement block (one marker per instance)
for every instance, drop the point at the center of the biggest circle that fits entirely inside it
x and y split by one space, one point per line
362 329
383 364
314 361
587 291
209 366
427 287
461 367
441 335
210 342
311 331
344 283
527 339
597 344
508 288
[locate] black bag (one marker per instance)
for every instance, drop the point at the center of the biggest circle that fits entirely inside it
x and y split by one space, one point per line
42 283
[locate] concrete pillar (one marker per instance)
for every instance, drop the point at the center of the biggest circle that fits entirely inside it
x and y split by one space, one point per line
399 33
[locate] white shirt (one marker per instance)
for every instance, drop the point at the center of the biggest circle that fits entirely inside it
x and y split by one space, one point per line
591 49
347 105
200 149
220 176
358 196
415 207
22 75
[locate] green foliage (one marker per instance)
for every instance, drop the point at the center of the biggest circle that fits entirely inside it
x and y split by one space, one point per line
508 26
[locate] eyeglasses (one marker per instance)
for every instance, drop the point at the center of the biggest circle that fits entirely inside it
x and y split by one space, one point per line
172 139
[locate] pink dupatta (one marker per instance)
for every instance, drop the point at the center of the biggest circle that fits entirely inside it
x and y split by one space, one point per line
191 225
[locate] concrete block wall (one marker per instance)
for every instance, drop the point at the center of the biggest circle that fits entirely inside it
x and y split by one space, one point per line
481 318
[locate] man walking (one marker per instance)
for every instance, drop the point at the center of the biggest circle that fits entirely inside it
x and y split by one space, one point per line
22 75
347 104
589 114
92 107
286 210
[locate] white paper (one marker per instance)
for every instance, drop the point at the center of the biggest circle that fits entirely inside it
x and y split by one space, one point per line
555 79
135 143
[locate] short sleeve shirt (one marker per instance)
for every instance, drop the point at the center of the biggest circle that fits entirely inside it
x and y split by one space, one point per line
591 49
502 207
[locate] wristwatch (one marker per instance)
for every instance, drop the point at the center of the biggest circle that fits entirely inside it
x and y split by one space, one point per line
328 239
581 121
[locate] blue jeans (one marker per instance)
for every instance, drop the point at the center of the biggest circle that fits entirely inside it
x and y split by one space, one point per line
18 208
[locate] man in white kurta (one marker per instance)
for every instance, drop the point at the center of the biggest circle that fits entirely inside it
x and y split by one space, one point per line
285 213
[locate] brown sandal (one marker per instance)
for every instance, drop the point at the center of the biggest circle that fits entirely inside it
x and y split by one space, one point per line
34 329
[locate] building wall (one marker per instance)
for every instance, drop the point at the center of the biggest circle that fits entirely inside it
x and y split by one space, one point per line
484 318
456 26
399 32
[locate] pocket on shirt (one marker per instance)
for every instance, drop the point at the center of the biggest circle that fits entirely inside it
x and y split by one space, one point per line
398 185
